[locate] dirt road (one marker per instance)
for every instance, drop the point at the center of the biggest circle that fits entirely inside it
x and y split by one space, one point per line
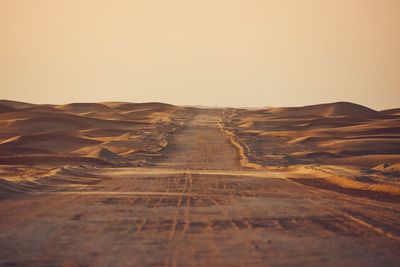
197 207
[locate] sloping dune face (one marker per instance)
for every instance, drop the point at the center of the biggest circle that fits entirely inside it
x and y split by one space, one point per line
327 110
341 146
339 133
114 133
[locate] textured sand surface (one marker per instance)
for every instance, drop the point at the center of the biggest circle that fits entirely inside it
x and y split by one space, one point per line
214 195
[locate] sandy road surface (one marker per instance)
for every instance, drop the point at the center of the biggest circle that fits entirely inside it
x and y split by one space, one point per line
197 207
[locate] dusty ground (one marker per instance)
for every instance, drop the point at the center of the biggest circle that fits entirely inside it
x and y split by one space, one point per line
195 206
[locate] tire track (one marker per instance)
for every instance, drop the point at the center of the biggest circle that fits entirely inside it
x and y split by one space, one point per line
173 246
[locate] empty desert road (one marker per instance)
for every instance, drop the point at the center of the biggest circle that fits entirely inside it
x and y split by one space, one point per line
197 207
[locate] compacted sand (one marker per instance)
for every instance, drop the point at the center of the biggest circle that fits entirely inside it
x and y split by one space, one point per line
204 189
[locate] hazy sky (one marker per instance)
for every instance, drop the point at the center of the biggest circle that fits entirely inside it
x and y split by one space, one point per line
206 52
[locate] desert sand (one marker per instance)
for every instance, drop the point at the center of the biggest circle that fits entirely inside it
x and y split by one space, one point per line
152 184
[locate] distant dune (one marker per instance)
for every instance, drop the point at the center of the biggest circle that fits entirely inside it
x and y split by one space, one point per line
342 134
106 133
6 109
394 111
344 147
120 132
327 110
16 104
85 107
336 133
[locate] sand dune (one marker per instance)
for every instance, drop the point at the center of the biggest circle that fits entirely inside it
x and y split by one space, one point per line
394 111
7 187
83 133
53 160
137 106
121 134
85 107
15 104
340 134
369 161
104 132
5 109
39 144
7 151
41 108
376 145
55 142
388 167
104 153
327 110
162 185
44 124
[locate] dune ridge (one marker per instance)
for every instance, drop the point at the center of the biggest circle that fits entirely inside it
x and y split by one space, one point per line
112 134
335 134
327 110
83 134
